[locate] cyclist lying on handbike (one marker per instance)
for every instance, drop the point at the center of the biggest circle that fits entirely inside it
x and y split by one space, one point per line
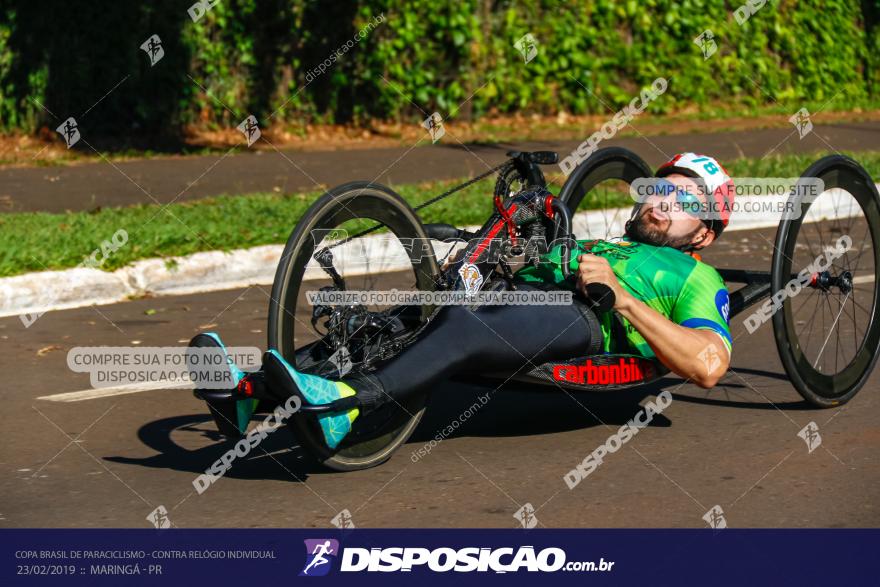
667 304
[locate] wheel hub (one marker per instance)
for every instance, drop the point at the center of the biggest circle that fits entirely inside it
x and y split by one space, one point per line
825 281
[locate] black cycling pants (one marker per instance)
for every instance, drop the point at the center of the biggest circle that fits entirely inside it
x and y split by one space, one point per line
461 341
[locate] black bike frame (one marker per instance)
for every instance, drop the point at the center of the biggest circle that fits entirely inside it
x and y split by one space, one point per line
757 287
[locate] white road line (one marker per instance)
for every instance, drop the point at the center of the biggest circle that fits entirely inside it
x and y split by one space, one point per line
86 394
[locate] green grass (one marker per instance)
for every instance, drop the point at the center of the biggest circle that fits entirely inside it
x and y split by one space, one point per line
41 241
795 165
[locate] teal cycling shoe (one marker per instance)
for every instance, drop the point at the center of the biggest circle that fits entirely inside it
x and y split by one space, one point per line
313 390
231 417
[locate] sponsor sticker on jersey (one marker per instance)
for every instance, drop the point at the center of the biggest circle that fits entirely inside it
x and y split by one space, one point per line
722 302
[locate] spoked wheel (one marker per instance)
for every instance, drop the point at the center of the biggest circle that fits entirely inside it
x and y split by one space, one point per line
333 251
580 191
826 331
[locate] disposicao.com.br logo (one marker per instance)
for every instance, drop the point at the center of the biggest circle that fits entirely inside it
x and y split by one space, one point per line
442 560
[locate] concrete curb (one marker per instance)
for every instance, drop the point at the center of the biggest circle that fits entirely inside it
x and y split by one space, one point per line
35 293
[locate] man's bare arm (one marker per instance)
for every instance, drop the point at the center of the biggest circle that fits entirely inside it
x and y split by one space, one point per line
678 347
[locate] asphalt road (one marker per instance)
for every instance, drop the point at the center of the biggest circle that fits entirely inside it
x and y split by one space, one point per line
164 180
109 462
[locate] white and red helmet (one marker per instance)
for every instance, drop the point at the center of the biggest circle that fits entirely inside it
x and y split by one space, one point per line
718 185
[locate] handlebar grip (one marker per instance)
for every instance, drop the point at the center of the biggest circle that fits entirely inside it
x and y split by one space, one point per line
539 157
544 157
600 297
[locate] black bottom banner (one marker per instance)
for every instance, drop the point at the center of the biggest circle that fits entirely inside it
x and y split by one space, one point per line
360 556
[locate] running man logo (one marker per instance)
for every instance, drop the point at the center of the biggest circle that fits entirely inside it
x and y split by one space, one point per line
810 435
527 45
711 358
343 520
526 516
153 48
69 129
626 370
319 554
250 128
341 359
434 125
801 121
159 518
706 42
715 518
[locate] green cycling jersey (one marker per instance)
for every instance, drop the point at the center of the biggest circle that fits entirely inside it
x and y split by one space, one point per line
675 284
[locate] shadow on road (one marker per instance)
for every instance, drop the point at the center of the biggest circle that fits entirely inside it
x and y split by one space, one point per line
758 405
513 410
272 459
518 409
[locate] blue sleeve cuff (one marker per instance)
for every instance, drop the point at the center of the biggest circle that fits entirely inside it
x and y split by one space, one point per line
703 324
